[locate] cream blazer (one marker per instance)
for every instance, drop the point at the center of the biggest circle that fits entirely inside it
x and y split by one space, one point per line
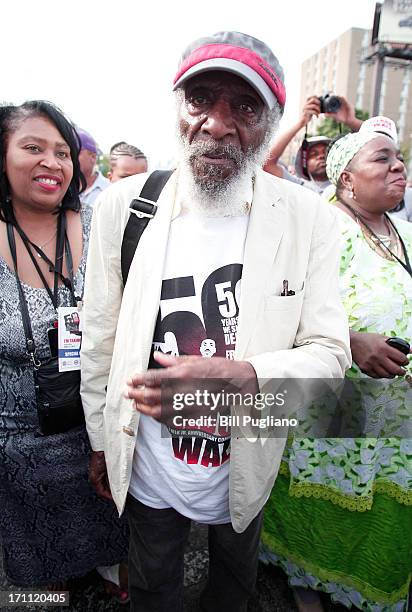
291 235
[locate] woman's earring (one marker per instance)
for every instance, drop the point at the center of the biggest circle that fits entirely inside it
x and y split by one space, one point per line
351 194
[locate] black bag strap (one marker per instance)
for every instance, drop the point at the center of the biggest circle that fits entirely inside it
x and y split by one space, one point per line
145 207
62 243
30 346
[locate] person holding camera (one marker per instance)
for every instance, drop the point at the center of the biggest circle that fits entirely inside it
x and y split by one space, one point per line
339 516
310 164
53 527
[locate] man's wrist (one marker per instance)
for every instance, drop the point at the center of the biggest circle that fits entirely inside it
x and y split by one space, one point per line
354 124
247 369
248 373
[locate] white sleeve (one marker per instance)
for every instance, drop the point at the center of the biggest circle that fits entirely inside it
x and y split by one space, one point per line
102 300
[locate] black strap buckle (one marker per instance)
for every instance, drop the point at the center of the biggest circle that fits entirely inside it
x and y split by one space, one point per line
142 207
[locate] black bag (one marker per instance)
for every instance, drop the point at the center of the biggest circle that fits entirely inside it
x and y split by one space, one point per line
59 405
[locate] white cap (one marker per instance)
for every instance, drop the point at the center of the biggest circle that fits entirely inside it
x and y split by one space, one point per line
381 124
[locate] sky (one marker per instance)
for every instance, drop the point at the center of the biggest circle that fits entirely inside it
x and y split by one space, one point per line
109 65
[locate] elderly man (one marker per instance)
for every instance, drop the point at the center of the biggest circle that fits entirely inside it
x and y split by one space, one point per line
227 257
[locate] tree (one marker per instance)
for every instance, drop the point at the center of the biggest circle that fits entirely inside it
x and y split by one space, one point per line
103 163
330 128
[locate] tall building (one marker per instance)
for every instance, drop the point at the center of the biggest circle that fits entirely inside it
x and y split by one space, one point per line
336 68
340 67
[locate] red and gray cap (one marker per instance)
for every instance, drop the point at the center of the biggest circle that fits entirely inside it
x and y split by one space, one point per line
240 54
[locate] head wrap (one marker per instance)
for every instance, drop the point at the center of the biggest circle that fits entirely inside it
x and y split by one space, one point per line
344 150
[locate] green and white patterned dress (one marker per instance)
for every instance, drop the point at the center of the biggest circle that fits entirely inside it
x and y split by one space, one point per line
339 518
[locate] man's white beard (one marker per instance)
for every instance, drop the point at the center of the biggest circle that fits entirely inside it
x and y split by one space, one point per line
211 196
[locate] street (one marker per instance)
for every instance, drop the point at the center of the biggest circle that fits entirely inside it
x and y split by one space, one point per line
272 591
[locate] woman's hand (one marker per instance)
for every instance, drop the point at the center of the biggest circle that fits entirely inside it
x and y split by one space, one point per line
376 358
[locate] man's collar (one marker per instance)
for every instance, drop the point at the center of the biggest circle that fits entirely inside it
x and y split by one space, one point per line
100 182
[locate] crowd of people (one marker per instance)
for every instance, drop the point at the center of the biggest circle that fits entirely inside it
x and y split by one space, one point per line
121 292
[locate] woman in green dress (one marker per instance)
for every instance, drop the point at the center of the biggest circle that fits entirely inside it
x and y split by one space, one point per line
339 519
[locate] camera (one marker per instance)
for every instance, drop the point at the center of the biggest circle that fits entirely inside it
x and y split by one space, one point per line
329 103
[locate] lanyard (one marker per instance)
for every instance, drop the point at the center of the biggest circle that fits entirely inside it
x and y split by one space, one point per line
407 265
62 244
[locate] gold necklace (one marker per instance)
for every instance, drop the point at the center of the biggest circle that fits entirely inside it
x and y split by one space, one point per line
386 246
41 246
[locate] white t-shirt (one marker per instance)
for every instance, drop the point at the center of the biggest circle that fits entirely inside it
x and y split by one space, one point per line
198 315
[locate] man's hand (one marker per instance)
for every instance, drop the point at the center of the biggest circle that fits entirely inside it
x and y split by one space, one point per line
98 475
376 358
146 388
346 115
311 108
